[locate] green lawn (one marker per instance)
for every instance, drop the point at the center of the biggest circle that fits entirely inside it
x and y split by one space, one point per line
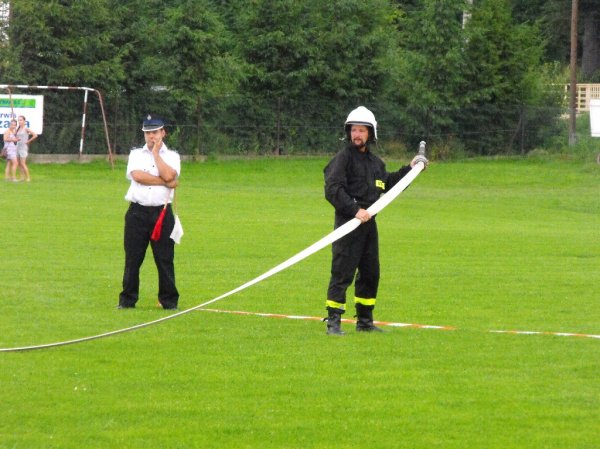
478 245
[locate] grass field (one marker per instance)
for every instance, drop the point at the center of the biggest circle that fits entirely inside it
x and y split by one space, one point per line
478 245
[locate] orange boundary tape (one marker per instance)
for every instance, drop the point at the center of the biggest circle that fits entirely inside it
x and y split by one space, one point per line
315 318
394 324
556 334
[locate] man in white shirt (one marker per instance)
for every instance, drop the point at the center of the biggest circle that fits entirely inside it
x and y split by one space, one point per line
153 171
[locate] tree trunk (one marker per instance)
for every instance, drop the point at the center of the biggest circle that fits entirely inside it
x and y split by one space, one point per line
590 59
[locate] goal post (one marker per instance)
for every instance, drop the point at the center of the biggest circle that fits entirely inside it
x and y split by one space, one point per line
10 87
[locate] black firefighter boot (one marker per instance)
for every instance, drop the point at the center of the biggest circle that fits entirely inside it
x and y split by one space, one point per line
364 319
334 321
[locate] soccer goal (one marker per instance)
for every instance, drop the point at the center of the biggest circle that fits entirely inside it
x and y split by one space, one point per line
32 107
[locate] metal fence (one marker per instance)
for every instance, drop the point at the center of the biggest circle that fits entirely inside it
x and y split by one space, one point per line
234 125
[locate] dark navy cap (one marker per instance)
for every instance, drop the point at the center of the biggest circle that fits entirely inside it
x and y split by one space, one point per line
152 123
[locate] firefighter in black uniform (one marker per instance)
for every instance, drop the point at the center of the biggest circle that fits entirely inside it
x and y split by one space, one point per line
354 180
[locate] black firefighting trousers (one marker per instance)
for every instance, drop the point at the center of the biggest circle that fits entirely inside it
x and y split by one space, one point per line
358 250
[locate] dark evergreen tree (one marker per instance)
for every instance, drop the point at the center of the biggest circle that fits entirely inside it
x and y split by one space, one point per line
310 63
67 43
501 75
432 85
554 18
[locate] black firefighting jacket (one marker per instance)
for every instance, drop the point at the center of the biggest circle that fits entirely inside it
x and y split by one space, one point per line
355 180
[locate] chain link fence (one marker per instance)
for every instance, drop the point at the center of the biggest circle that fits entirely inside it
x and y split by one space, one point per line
271 125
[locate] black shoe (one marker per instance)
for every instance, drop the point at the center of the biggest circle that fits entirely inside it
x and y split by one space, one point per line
335 331
123 306
364 319
371 328
334 321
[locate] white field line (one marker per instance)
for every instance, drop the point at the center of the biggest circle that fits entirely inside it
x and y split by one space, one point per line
394 324
315 318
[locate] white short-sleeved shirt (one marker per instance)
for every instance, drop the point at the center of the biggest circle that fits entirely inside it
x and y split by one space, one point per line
142 159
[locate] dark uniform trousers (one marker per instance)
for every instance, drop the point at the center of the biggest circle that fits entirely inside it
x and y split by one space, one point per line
139 223
357 250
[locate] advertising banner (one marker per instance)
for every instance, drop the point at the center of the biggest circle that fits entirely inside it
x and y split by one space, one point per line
29 106
595 117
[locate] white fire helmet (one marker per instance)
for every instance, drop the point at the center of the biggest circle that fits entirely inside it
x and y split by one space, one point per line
361 116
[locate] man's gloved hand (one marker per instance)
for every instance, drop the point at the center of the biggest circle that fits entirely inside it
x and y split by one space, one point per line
419 158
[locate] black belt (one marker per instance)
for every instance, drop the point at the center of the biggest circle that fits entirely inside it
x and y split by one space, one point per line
140 206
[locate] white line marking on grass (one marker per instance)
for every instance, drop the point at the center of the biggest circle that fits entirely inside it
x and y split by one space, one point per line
556 334
315 318
393 324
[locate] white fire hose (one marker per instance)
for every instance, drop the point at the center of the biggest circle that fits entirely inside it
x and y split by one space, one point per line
337 234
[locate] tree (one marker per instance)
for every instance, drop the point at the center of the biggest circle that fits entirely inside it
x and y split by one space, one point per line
503 60
431 78
64 43
590 59
52 49
467 84
267 75
554 18
198 62
314 60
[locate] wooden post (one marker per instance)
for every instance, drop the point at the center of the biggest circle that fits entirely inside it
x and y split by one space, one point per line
573 82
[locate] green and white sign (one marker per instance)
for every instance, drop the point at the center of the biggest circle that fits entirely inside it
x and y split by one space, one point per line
29 106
